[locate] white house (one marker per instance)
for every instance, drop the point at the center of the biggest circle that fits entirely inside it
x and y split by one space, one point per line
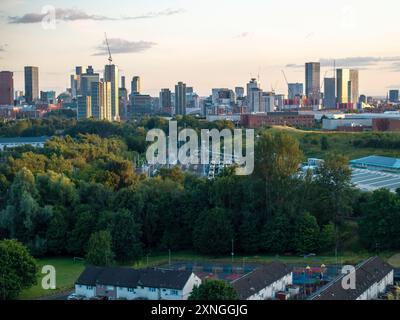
264 283
131 284
372 277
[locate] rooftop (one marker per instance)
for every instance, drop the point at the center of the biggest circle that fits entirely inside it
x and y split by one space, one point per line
378 161
259 279
367 274
132 278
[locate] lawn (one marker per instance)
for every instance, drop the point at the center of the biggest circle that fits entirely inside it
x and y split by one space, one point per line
339 143
345 258
67 271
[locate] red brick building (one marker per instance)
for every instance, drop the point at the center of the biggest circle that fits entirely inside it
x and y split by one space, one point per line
293 119
386 124
6 88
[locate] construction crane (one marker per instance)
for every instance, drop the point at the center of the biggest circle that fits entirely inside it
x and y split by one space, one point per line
109 51
289 89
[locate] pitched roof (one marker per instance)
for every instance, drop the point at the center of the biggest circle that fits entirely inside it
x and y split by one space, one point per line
259 279
367 273
131 278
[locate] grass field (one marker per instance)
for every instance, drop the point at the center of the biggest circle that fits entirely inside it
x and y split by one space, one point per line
67 271
346 258
339 143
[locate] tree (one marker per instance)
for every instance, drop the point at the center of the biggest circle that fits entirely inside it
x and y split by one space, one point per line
18 269
125 233
306 233
327 238
214 290
380 222
277 159
99 252
213 227
324 143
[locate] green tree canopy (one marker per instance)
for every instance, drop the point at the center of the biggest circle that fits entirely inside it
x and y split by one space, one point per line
99 251
18 269
214 290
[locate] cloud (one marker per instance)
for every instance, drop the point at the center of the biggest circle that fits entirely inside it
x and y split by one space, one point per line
242 35
151 15
355 62
69 15
61 15
118 45
3 47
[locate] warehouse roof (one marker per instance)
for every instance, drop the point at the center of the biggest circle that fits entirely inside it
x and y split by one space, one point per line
378 161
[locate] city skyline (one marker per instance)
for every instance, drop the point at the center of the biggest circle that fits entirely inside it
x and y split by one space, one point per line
173 42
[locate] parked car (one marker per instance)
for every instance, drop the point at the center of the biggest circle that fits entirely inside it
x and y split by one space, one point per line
74 296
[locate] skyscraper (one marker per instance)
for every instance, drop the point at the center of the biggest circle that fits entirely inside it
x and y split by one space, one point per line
86 81
313 82
252 85
393 96
101 100
6 88
84 107
165 101
239 92
354 93
342 85
31 84
111 75
135 85
329 93
256 100
76 82
180 98
123 82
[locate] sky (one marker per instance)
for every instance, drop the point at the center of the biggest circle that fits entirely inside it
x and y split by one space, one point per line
205 43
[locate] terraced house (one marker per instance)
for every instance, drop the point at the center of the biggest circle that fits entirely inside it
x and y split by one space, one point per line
131 284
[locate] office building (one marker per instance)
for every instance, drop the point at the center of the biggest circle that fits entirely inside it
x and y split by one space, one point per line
141 104
166 101
101 100
393 96
6 88
31 84
84 107
135 85
111 75
353 87
239 92
330 93
48 97
296 90
86 81
268 103
253 84
342 85
180 98
123 82
313 82
256 101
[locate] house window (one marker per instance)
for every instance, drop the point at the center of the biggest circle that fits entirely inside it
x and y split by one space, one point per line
89 287
174 292
131 290
152 289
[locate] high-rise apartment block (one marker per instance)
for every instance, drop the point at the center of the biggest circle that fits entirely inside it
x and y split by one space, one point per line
31 84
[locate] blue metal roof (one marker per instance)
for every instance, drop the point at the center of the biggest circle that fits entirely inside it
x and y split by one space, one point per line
378 161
